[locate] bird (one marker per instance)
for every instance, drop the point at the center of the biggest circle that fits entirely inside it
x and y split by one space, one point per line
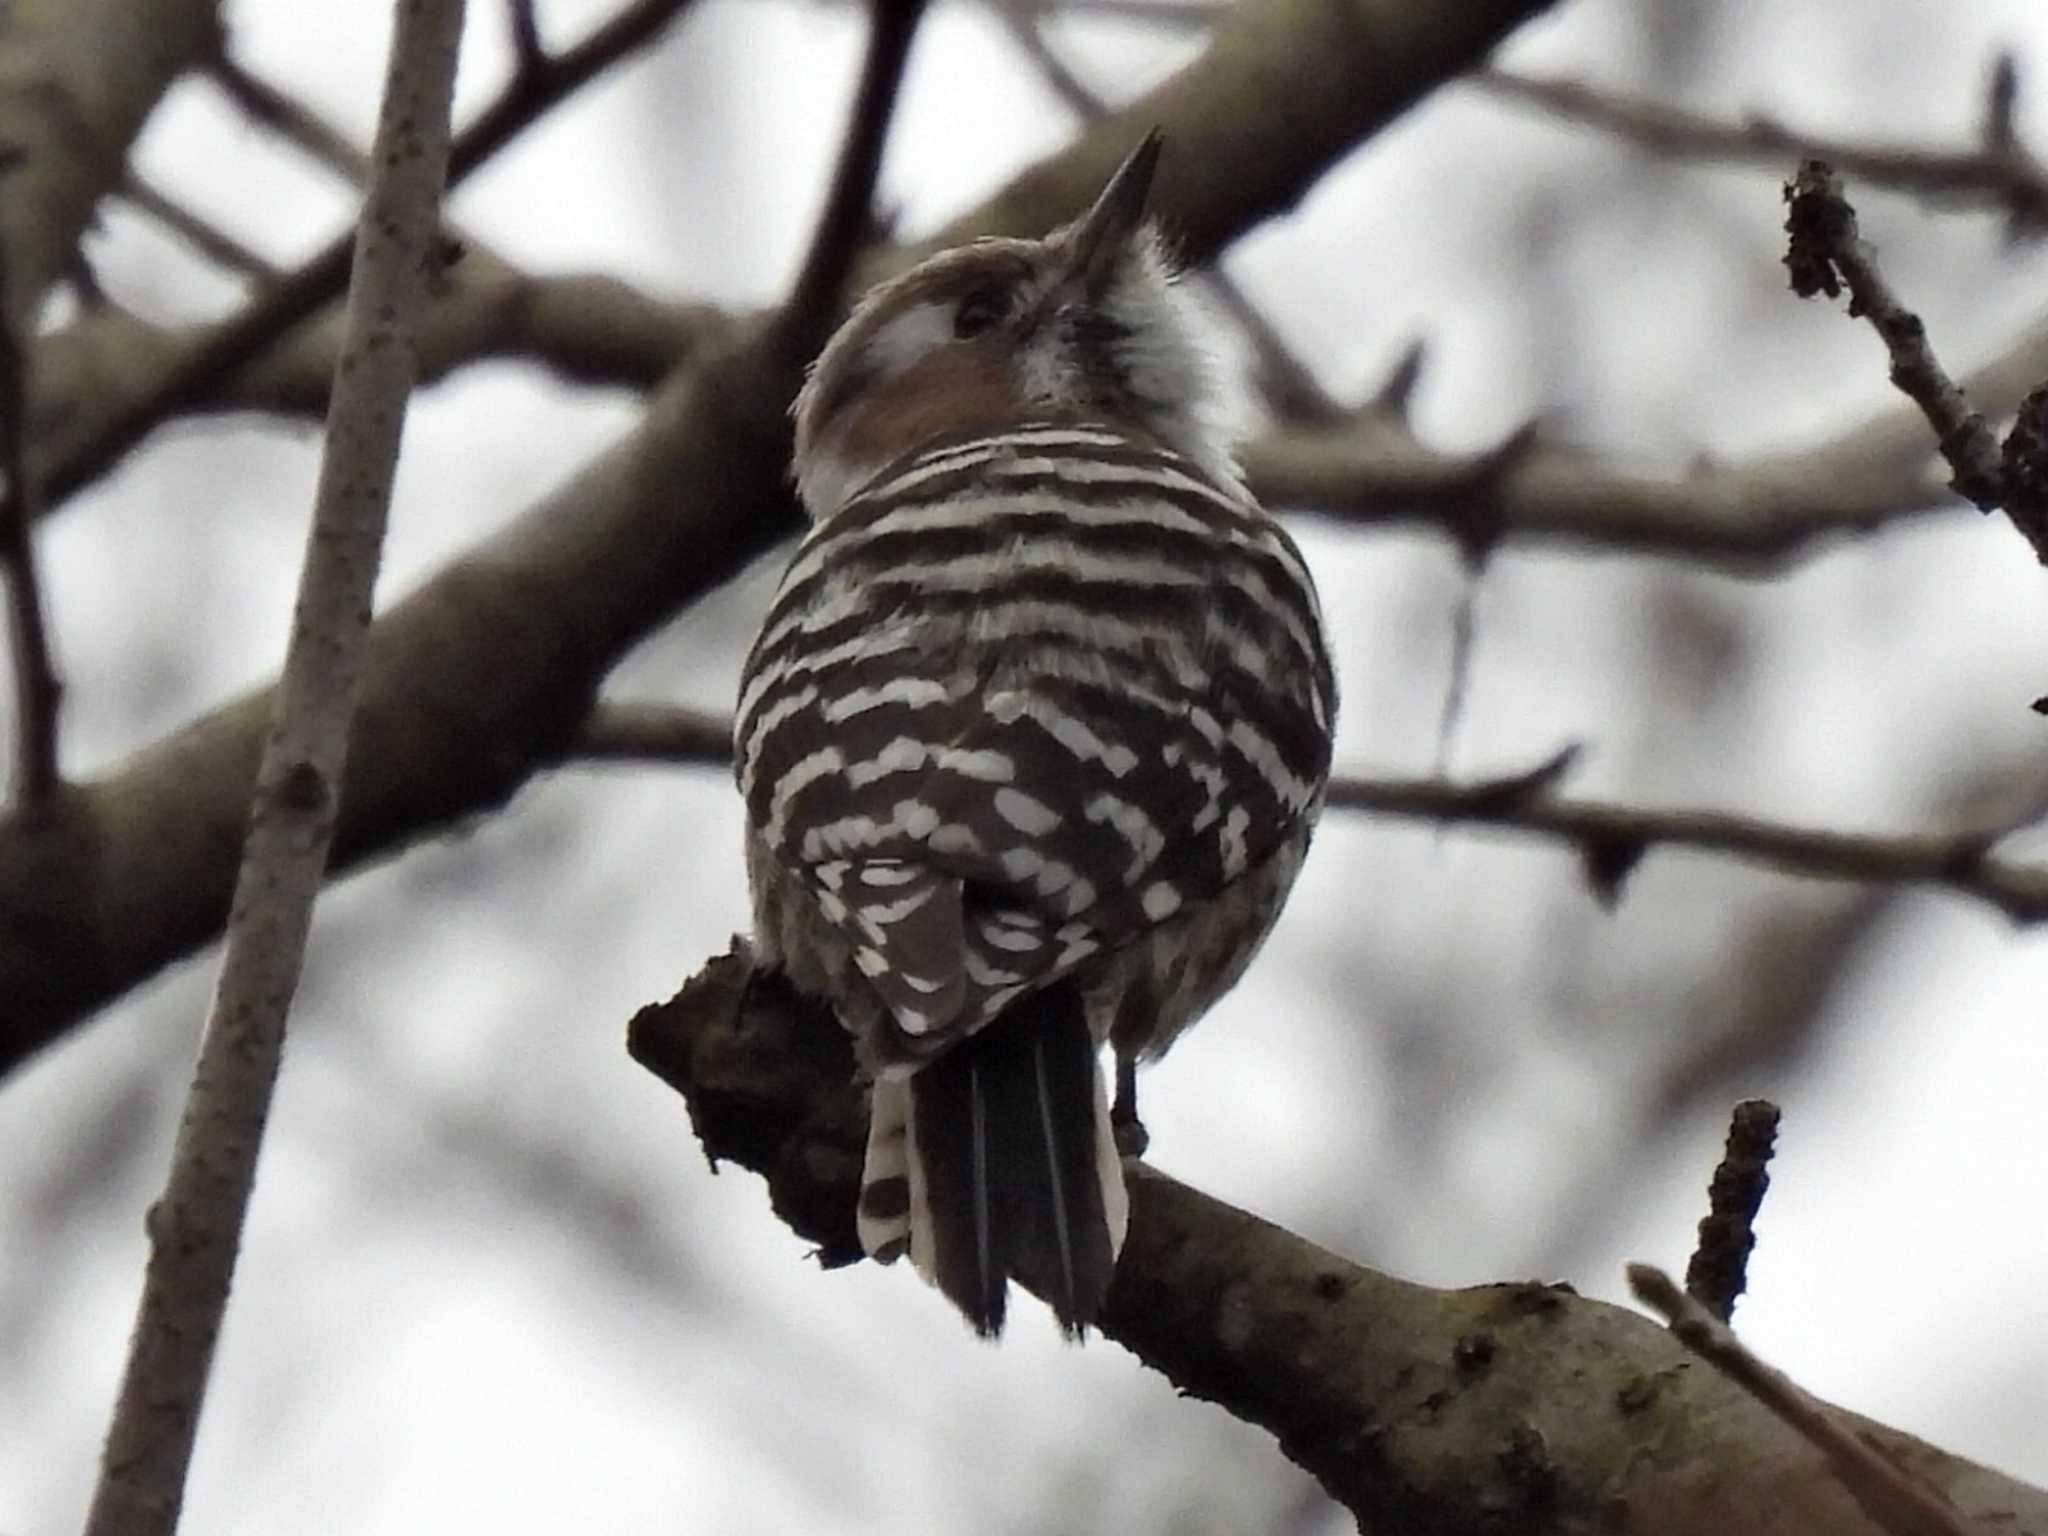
1034 734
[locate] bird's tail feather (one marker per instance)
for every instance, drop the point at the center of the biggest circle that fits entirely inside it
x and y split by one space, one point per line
1001 1160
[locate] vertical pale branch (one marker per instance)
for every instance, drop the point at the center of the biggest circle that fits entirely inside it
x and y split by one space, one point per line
195 1228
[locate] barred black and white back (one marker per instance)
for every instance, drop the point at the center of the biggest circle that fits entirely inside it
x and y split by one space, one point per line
1031 742
1028 707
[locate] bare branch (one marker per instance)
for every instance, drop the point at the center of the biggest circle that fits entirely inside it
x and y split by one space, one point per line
37 691
290 119
1612 839
204 236
1884 1489
527 53
481 678
1827 251
298 296
587 328
196 1228
654 733
1491 1407
1719 1270
2002 172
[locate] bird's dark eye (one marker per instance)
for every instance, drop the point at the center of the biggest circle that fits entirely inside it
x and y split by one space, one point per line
982 310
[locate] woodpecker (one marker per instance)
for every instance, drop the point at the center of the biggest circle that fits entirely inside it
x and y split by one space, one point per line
1034 734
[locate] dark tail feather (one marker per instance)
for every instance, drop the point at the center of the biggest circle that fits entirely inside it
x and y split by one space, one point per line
1009 1127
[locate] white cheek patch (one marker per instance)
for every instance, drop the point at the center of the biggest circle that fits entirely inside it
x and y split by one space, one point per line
908 337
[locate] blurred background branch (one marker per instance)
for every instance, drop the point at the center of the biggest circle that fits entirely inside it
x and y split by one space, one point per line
2000 170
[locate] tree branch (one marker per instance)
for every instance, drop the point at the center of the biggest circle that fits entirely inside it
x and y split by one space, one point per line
1719 1269
1827 250
82 77
805 322
1611 840
2001 172
37 691
197 373
289 118
654 733
586 328
196 1228
204 236
482 677
1884 1487
1499 1407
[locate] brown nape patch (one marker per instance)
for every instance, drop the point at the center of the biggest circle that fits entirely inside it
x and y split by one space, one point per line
847 372
958 388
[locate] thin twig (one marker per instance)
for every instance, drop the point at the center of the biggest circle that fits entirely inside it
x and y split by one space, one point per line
1611 839
304 291
195 1229
1899 1502
204 236
2002 172
1827 251
527 51
37 691
806 318
1719 1270
289 118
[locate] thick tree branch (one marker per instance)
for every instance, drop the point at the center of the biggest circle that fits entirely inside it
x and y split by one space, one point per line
196 1228
1290 389
482 677
1496 1408
1284 90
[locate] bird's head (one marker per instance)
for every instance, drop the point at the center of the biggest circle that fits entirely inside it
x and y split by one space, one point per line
1086 325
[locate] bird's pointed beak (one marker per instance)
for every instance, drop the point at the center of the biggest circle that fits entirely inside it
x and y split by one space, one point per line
1101 235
